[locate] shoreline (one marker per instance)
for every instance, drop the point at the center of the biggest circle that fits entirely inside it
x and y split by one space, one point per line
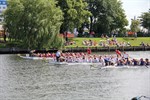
108 49
14 50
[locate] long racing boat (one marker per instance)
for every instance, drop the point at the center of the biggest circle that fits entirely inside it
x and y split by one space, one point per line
95 65
35 58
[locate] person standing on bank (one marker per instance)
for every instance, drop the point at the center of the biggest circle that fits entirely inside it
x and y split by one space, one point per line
58 53
4 37
4 34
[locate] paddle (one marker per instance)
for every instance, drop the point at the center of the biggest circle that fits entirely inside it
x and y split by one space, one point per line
146 66
139 98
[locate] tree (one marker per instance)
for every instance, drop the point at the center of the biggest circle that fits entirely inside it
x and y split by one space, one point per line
107 15
119 16
75 14
135 25
145 18
35 23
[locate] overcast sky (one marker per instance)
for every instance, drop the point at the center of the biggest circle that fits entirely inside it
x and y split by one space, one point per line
135 7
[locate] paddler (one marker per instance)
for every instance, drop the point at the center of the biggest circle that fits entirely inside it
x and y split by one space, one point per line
118 52
89 51
58 54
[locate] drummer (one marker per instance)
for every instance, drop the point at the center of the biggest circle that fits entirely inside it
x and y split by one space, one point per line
58 54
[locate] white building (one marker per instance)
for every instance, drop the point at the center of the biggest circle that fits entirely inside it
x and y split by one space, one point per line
3 6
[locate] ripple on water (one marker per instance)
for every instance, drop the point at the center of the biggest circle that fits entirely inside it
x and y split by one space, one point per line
36 80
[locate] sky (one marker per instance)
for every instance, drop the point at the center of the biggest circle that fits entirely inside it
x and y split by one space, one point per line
135 8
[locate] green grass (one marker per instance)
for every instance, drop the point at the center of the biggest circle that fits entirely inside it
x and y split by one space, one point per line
133 41
9 44
136 41
2 45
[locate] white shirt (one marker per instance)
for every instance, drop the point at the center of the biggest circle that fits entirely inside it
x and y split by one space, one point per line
125 55
57 54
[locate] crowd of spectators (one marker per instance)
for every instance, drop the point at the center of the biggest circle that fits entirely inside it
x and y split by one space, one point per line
89 43
67 43
105 43
113 42
143 44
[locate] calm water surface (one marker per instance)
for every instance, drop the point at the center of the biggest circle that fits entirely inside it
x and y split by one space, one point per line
22 79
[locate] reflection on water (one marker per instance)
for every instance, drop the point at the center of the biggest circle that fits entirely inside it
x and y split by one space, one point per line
37 80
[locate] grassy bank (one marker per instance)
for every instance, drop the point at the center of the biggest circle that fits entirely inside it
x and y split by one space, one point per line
131 40
78 41
9 44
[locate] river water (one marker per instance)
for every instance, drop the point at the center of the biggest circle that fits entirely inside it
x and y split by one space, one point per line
22 79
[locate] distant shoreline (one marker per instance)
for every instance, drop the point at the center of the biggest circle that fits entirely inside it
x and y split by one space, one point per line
75 49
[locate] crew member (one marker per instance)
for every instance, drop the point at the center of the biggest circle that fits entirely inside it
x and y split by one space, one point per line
118 52
58 55
88 51
125 55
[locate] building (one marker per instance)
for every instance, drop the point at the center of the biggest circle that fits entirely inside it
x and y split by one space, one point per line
3 6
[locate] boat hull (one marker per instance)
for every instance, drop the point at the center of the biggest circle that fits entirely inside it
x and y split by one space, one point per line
36 58
96 65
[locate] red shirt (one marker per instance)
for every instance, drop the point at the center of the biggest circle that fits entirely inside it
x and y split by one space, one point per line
118 52
88 51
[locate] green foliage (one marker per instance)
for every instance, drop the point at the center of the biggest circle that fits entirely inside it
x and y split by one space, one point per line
75 13
146 20
107 15
119 16
34 22
2 45
135 25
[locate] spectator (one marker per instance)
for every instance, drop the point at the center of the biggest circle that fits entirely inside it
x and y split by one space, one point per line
102 36
92 33
142 44
126 34
128 44
75 32
5 37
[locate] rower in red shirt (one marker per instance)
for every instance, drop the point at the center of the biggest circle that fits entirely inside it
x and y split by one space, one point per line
118 52
89 51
